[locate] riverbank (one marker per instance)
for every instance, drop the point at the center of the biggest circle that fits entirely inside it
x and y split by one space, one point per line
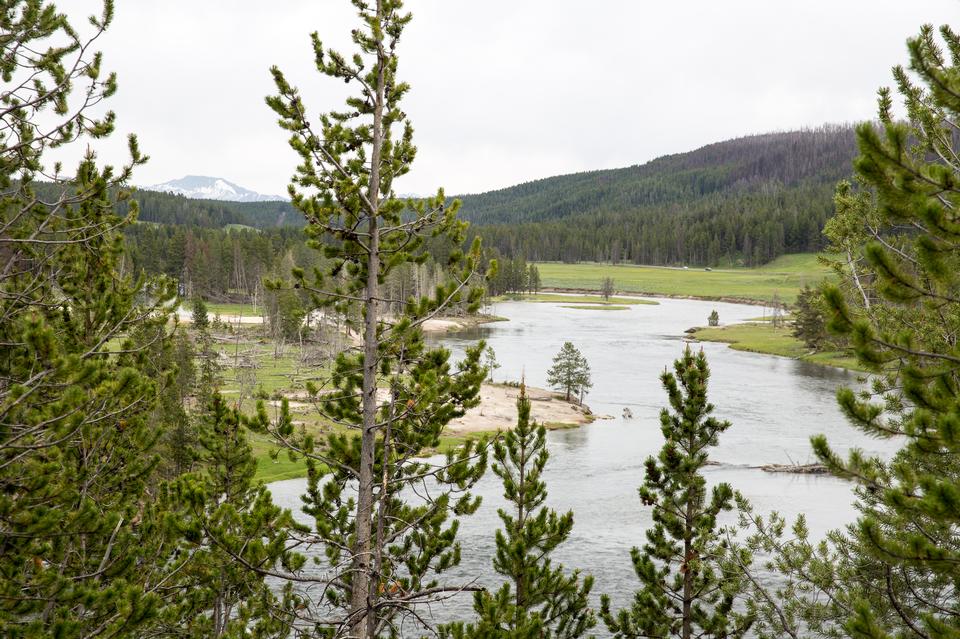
764 338
496 412
782 278
459 323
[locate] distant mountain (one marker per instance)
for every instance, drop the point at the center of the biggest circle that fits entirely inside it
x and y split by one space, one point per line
202 187
746 200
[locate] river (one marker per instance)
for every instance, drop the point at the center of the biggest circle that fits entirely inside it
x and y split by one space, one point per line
775 406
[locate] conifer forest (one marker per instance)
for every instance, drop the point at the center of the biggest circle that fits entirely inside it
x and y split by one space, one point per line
711 394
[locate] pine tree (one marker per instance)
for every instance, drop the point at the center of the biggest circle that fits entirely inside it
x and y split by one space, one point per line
234 535
809 318
209 379
490 362
533 279
199 316
904 328
688 585
570 373
538 599
386 546
84 549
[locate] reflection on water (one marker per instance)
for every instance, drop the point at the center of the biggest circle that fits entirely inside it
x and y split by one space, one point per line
775 405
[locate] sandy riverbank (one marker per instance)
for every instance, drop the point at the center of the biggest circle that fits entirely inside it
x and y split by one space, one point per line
498 410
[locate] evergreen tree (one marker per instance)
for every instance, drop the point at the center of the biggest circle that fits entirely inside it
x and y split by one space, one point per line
199 316
533 279
209 380
809 318
570 373
490 362
907 335
234 535
538 599
385 547
688 584
84 550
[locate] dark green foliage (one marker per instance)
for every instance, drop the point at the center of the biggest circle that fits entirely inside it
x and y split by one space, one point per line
198 315
904 326
688 584
570 373
892 573
749 199
809 318
538 599
234 535
714 318
285 312
514 276
83 546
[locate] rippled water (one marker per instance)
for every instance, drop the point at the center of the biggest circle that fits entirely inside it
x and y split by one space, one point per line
775 405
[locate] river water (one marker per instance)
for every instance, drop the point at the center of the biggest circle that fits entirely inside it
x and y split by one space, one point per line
775 405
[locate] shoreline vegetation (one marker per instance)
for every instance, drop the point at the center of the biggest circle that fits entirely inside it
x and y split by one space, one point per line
764 338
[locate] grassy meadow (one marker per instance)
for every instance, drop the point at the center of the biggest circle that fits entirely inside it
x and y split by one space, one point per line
784 276
763 337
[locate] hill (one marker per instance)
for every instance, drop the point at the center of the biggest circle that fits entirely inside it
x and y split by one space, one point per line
178 210
747 201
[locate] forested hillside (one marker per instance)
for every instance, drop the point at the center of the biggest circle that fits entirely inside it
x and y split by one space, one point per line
166 208
746 201
750 199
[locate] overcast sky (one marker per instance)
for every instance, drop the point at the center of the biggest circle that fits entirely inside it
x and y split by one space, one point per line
504 91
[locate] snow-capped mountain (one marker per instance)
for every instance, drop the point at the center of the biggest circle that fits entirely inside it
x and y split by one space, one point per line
202 187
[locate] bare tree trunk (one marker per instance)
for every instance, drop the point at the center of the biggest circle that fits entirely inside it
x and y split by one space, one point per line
856 279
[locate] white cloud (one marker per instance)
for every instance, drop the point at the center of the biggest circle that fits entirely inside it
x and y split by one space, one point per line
504 91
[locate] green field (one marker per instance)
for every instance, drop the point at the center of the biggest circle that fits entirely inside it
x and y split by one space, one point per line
764 338
784 277
597 307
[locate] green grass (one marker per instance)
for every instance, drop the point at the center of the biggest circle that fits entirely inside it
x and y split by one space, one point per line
764 338
240 227
598 307
575 299
784 276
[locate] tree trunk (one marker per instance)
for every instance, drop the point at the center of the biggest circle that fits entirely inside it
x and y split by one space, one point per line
362 620
687 630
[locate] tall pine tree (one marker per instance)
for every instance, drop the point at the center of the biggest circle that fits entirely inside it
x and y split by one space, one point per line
688 585
384 545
